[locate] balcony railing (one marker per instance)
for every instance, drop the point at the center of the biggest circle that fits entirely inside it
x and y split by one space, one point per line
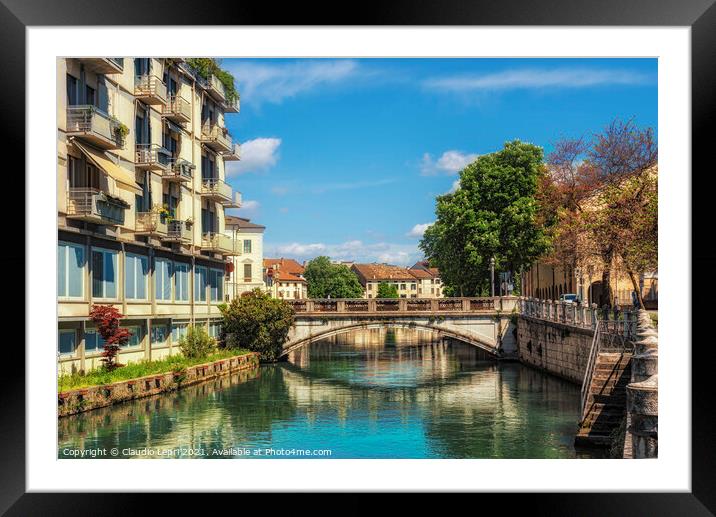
152 157
150 223
232 105
178 231
216 88
219 243
216 138
94 125
216 189
179 169
235 202
150 89
177 109
94 206
234 154
103 65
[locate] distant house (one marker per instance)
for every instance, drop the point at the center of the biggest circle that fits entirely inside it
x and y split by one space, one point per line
410 282
246 268
284 278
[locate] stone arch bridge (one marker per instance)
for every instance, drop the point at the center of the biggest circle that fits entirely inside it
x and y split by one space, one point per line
486 323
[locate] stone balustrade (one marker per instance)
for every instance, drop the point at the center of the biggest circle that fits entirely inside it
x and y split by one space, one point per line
404 305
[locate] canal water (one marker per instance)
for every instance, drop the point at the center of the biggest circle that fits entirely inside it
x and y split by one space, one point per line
376 393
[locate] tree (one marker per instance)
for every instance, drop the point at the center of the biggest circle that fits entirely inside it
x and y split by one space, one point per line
386 290
492 214
258 323
326 279
598 202
106 317
197 342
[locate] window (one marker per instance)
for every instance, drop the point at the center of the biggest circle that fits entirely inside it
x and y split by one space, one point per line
90 97
93 341
104 274
214 329
72 90
70 270
200 284
163 279
370 287
247 245
136 337
413 287
216 285
67 342
136 274
247 271
160 332
178 331
181 282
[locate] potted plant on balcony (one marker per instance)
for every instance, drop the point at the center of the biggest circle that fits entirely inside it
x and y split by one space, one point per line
189 222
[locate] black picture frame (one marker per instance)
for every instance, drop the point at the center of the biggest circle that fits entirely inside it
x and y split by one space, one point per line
700 15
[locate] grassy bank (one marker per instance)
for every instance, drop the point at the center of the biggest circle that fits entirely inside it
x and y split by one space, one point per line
140 369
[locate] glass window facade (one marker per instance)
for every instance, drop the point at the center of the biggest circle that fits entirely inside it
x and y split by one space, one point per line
181 282
163 279
104 274
136 274
67 342
70 270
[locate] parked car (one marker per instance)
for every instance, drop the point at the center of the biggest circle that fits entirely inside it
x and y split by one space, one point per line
569 297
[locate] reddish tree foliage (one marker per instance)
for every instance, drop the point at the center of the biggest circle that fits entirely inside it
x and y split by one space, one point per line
106 317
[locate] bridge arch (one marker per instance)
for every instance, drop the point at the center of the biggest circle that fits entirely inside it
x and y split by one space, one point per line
470 339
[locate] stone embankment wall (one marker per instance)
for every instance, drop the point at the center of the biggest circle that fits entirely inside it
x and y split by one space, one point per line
559 349
93 397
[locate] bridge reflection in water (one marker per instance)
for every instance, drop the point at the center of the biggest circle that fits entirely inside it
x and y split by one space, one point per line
379 393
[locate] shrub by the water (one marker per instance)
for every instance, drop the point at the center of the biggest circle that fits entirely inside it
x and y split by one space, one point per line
197 342
258 323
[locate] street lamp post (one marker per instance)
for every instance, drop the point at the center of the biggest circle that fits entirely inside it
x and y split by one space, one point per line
492 276
578 276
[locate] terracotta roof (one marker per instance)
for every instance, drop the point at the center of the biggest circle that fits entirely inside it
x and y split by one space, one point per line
242 222
378 272
285 270
434 271
420 273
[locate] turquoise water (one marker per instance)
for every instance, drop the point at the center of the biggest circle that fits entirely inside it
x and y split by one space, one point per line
372 394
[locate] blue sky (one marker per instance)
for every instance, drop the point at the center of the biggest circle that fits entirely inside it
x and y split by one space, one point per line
344 157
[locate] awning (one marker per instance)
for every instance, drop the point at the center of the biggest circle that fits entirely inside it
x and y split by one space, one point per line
123 177
171 126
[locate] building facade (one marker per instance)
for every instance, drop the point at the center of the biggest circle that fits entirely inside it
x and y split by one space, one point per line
284 279
141 194
246 271
430 284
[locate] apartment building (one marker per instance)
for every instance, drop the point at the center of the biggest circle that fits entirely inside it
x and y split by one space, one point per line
284 278
429 282
141 193
246 271
418 281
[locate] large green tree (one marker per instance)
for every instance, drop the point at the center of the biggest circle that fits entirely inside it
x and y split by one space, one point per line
257 322
491 214
326 279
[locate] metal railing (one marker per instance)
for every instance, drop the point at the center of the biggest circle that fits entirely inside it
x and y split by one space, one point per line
178 231
216 86
152 155
179 169
150 223
178 108
95 205
150 87
219 242
89 120
216 187
217 137
232 105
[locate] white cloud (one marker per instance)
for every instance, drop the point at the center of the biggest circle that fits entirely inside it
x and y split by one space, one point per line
256 155
418 230
455 186
531 78
249 208
355 250
450 162
260 82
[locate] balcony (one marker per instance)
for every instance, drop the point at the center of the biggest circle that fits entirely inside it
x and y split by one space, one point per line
150 89
178 231
179 170
103 65
216 138
177 109
235 202
232 105
94 206
215 88
94 126
219 243
152 157
152 224
233 155
216 190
